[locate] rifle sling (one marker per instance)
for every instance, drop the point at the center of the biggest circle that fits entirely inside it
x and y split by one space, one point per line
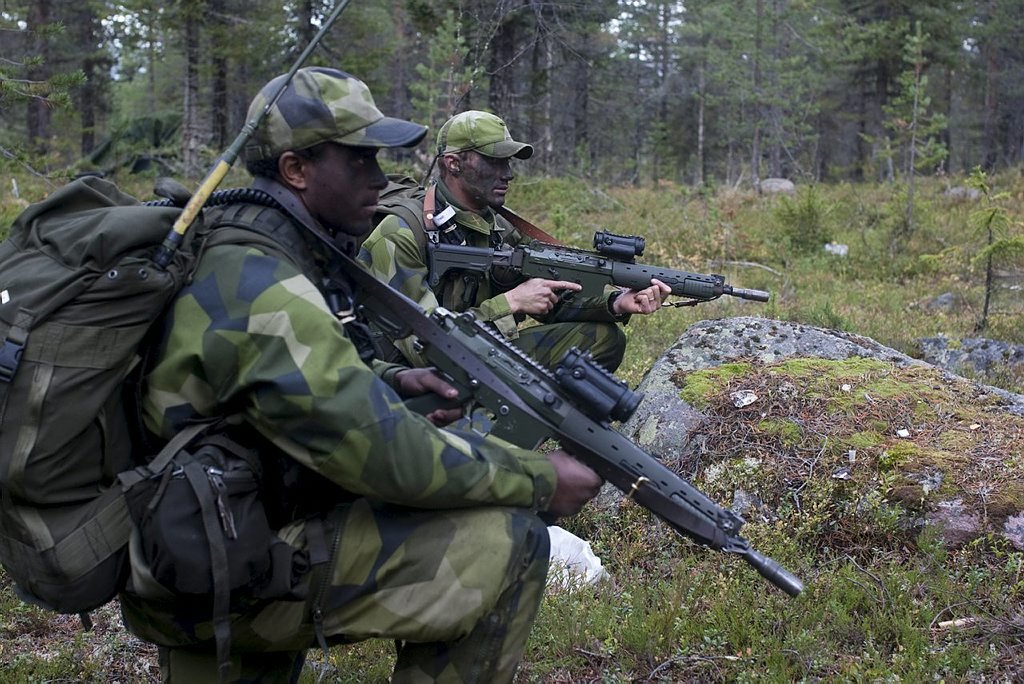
429 204
527 228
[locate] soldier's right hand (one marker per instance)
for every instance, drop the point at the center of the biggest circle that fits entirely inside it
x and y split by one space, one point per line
538 295
576 484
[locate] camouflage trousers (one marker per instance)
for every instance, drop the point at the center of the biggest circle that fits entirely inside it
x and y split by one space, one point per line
458 590
548 343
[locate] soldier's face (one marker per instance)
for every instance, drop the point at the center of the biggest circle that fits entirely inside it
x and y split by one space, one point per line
343 185
484 180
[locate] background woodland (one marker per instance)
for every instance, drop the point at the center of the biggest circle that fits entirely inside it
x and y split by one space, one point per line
703 92
901 124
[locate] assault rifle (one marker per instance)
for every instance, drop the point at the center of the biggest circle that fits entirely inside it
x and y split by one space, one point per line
573 404
613 262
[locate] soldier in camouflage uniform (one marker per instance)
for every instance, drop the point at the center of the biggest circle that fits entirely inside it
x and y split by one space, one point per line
474 153
427 537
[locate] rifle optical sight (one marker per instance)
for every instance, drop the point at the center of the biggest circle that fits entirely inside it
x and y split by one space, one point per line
602 395
622 247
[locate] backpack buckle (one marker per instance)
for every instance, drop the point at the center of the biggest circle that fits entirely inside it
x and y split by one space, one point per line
10 357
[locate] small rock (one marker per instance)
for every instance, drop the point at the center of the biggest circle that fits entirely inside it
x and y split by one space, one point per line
743 398
959 192
772 186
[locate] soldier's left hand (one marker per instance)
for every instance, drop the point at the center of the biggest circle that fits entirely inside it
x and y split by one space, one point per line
413 382
644 301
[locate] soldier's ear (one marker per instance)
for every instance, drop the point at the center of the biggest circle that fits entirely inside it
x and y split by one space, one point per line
292 170
452 163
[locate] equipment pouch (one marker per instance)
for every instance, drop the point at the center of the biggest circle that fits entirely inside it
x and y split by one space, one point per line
204 530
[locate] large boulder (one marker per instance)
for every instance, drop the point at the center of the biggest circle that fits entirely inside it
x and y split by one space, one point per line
776 416
977 355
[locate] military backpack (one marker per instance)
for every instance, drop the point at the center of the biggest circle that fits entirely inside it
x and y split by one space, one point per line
79 295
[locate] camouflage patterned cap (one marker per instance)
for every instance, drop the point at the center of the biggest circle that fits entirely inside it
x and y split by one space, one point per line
324 105
480 131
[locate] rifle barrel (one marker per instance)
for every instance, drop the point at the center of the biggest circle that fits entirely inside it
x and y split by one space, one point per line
753 295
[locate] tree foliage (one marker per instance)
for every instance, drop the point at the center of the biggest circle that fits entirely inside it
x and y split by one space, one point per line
623 90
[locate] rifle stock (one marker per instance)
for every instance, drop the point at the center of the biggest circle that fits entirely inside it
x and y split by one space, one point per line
573 404
592 270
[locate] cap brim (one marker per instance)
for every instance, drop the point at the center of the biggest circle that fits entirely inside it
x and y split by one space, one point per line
386 132
504 149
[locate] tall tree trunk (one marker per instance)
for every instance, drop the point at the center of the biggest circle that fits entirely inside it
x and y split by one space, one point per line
86 28
151 54
990 143
504 47
547 137
580 118
37 109
755 143
779 52
219 74
190 127
702 67
306 10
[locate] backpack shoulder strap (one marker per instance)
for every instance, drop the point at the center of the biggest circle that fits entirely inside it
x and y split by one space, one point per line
263 227
405 198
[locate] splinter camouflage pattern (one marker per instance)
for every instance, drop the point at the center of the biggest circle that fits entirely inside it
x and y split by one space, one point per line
392 253
432 535
483 132
321 105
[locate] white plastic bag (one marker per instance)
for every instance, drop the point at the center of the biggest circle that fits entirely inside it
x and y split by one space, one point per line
573 562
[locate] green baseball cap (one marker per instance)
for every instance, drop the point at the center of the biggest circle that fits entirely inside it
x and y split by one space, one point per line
324 105
482 132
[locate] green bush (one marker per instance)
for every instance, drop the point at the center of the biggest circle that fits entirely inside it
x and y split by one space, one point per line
804 221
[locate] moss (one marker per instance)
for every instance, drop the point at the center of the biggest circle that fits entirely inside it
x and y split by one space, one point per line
879 426
909 495
862 441
699 386
786 430
897 455
1007 500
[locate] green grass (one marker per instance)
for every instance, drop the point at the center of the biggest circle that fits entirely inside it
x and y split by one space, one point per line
758 242
881 600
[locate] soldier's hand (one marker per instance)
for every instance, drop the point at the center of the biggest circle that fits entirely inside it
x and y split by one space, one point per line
576 484
538 295
644 301
414 382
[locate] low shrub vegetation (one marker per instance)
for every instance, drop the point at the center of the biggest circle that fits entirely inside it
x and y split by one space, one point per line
884 600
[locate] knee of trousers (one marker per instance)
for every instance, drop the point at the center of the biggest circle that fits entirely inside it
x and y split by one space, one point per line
609 345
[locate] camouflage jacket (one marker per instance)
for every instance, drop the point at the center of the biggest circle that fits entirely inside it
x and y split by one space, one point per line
393 254
252 335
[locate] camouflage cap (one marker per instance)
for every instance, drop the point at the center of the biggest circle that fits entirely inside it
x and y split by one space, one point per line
482 132
324 105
